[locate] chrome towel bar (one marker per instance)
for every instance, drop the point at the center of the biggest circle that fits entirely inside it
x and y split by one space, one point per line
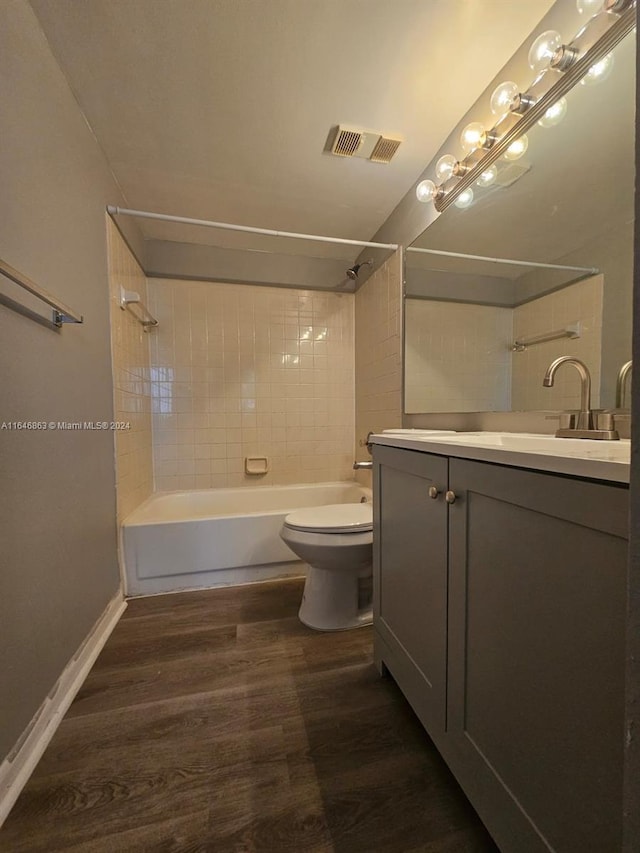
571 331
61 312
144 317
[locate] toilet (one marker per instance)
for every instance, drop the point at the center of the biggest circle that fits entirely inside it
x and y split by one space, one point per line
336 541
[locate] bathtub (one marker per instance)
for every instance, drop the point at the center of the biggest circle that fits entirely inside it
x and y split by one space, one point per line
217 537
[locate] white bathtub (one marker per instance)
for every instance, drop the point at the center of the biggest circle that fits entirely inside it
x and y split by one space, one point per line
216 537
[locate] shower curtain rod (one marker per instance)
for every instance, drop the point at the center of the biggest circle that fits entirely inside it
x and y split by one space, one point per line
227 226
590 270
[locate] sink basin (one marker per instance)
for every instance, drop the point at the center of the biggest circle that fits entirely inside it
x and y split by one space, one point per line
614 451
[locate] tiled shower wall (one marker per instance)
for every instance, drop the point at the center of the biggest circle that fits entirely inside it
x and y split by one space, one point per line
578 303
458 357
132 391
241 371
378 352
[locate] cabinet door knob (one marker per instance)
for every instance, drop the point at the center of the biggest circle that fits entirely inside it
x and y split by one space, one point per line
433 492
450 497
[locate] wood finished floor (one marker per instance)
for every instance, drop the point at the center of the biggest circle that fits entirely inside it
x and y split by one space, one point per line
214 721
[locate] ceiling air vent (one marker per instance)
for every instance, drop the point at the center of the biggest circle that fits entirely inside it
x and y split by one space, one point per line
347 142
384 149
365 144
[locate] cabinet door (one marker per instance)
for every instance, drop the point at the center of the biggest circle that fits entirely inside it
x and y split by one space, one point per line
536 655
410 577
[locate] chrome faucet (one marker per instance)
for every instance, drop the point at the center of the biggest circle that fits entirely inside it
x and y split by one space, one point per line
582 426
585 418
625 370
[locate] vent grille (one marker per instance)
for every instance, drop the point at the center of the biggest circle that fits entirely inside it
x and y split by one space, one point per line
346 143
384 150
365 144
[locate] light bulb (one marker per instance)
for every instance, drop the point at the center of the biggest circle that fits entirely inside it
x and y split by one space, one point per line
554 114
464 199
598 72
487 177
543 48
445 167
426 191
589 7
517 148
472 137
502 97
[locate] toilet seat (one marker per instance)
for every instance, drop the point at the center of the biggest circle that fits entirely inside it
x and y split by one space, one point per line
333 518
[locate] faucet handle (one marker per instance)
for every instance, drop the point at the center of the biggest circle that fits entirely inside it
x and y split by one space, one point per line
605 421
567 420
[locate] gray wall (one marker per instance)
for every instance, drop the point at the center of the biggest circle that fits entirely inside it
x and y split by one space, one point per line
57 502
632 723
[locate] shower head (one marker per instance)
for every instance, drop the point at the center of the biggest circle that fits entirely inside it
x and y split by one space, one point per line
352 272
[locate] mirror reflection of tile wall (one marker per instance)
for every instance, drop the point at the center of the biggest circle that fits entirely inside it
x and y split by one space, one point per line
458 356
578 303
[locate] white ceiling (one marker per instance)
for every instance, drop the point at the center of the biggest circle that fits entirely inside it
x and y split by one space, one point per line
220 109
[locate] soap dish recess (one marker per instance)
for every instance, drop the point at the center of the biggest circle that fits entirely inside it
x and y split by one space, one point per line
256 466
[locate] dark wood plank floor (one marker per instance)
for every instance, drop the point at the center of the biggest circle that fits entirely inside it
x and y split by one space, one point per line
215 721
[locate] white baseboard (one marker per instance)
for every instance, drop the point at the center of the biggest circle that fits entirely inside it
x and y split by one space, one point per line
18 766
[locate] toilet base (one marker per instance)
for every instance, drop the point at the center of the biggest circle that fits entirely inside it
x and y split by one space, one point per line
336 600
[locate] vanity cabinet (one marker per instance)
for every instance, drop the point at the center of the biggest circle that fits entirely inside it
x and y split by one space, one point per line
501 618
410 598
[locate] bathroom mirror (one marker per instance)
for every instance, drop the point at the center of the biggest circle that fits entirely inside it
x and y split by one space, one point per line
568 201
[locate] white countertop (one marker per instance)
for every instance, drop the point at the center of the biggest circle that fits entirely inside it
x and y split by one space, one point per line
597 460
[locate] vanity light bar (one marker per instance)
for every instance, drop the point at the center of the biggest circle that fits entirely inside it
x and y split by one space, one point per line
496 144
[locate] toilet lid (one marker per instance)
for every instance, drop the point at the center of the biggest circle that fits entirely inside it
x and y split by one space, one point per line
334 518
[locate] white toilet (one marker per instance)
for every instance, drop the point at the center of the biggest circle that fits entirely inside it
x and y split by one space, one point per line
336 541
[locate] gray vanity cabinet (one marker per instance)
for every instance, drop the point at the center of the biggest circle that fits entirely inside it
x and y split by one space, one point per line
410 577
532 645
